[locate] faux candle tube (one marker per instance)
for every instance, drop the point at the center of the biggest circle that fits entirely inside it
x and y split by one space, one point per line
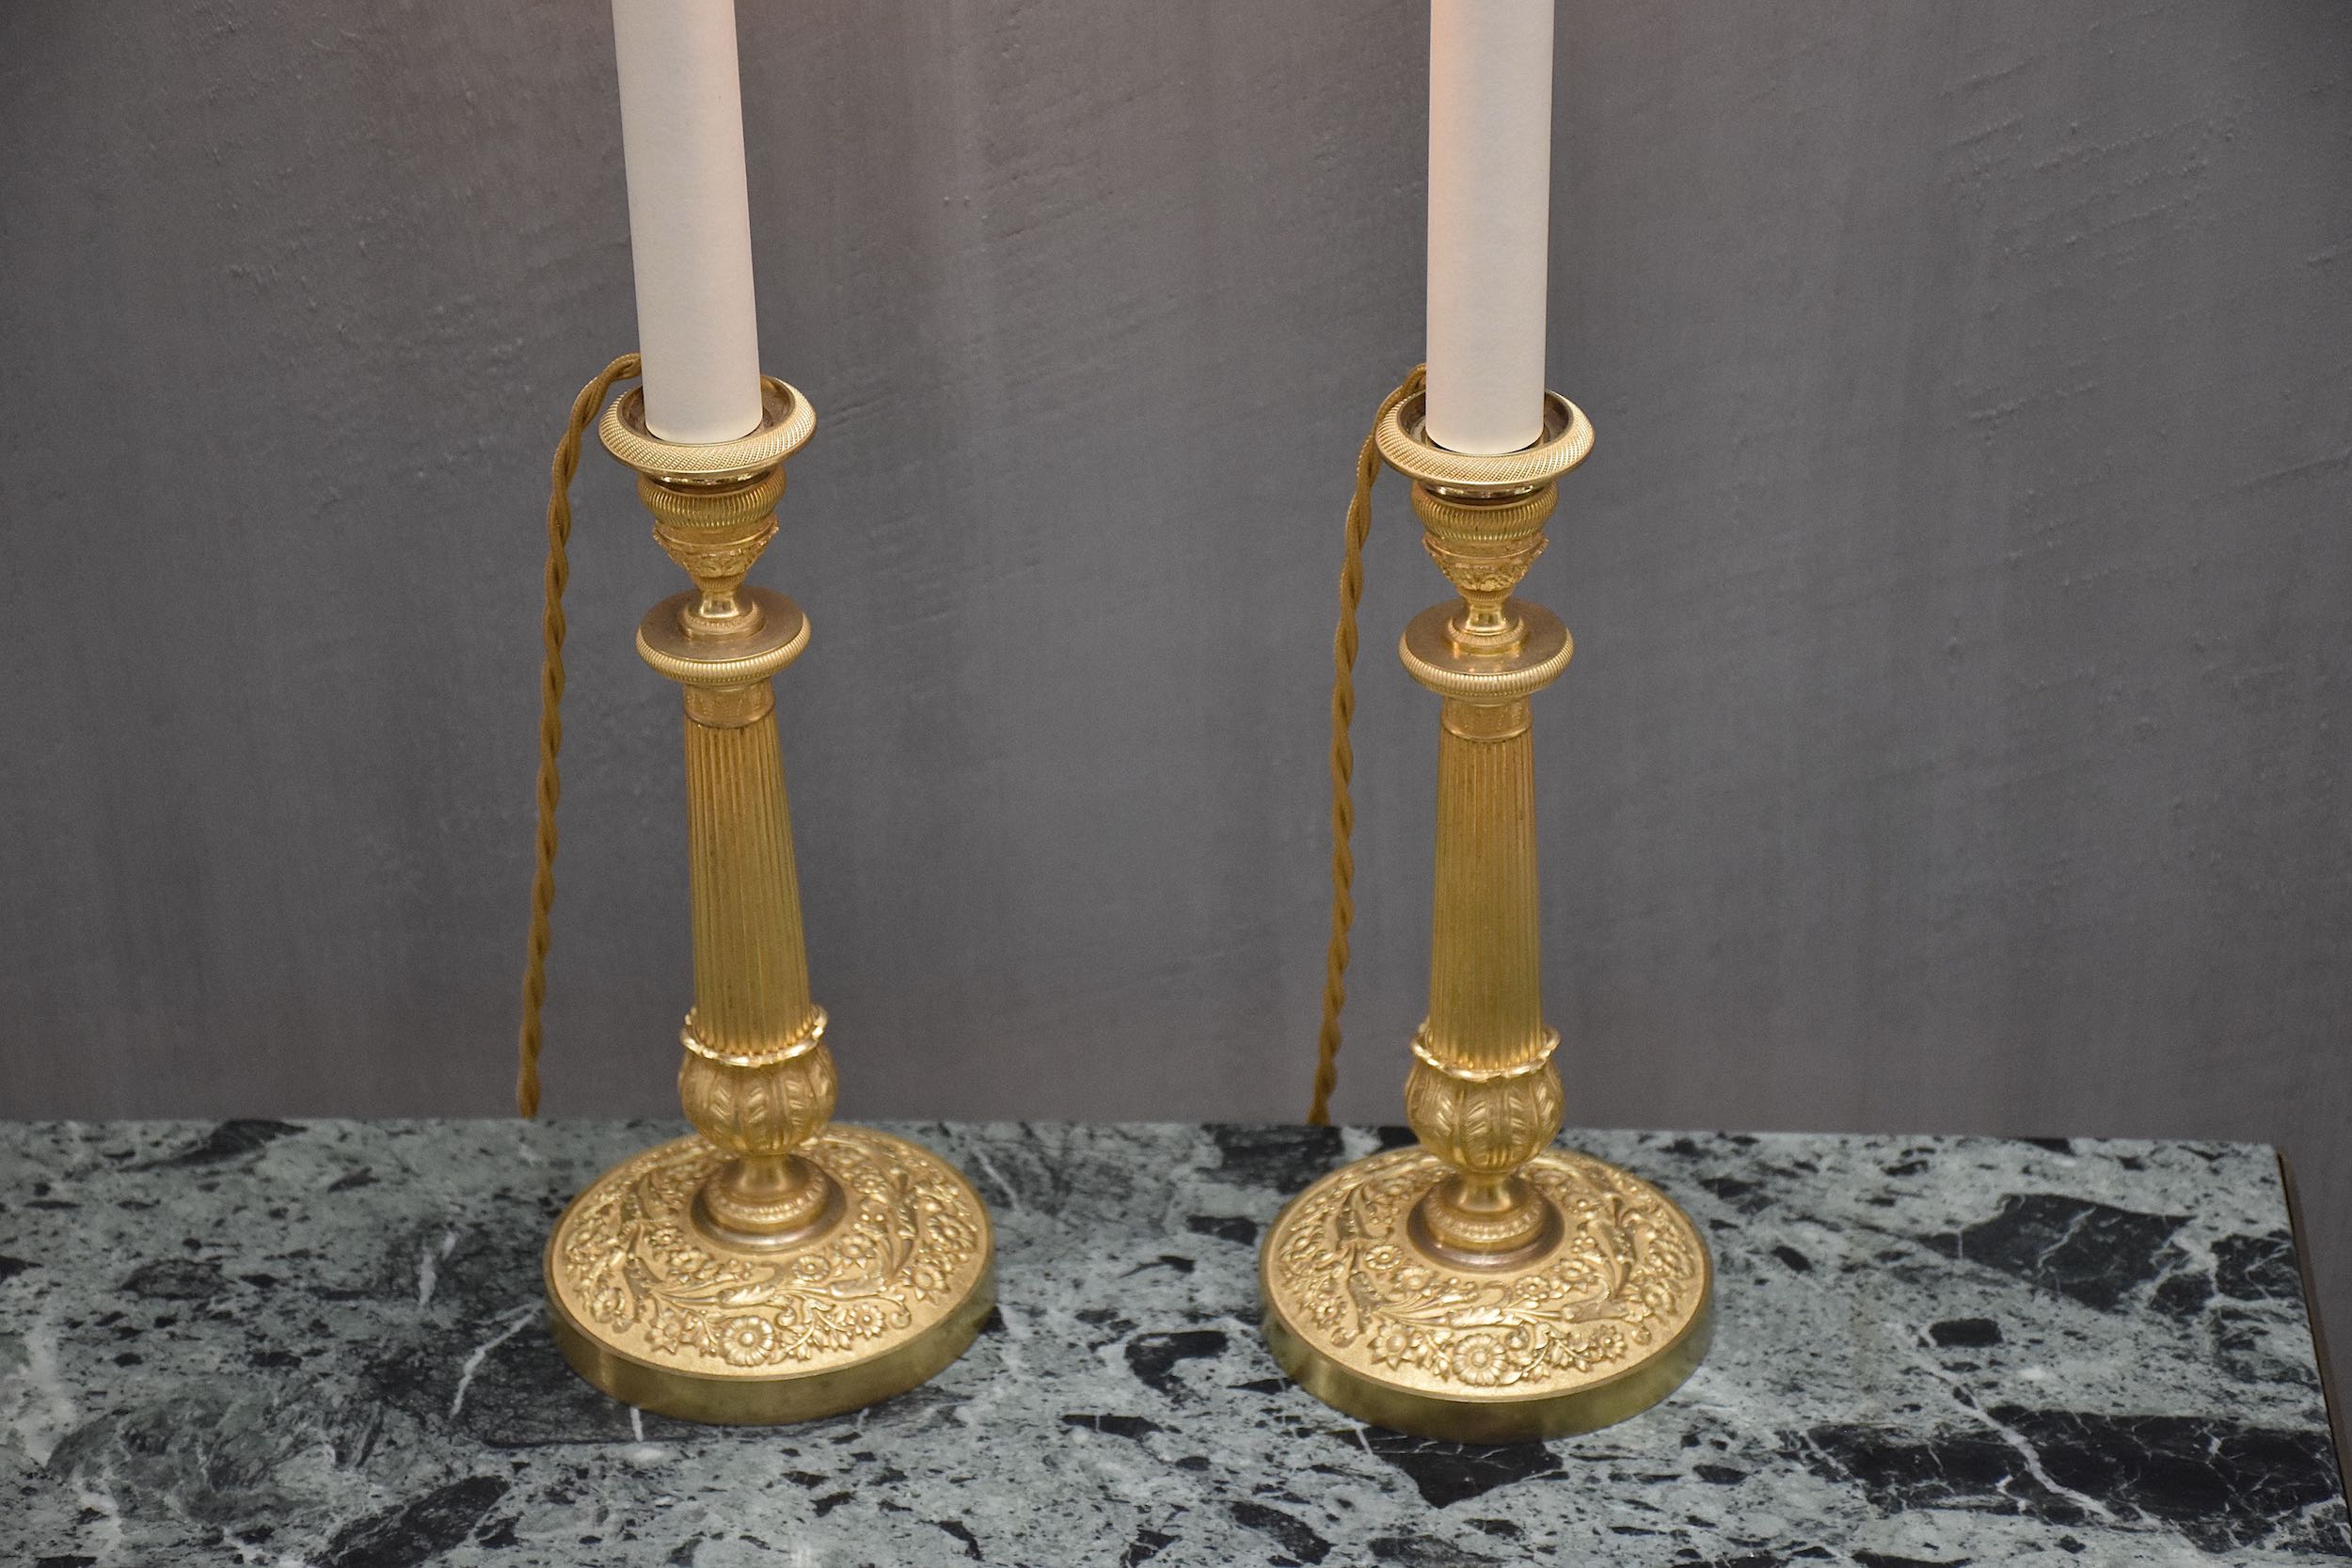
690 222
1489 221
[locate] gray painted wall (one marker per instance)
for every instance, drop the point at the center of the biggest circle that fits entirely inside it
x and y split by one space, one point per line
1958 739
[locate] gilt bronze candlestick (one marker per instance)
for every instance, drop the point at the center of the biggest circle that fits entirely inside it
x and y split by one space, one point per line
1485 1287
772 1266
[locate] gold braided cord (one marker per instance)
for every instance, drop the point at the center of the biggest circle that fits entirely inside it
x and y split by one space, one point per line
1344 758
559 572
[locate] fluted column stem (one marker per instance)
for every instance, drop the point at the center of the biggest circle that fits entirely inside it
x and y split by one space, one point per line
751 959
1486 965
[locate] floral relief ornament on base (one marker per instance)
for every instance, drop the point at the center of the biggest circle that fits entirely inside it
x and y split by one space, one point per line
1624 1278
635 1264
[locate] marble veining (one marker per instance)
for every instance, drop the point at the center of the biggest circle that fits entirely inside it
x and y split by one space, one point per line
267 1343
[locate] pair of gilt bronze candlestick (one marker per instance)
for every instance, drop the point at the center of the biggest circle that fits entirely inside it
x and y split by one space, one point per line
774 1266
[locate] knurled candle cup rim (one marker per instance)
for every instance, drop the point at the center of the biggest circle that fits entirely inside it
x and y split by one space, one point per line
787 422
1404 446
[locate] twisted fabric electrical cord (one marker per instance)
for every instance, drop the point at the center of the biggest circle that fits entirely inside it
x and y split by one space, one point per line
559 573
1344 758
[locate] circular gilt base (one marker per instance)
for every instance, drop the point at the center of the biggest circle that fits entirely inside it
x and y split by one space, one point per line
1600 1326
655 1313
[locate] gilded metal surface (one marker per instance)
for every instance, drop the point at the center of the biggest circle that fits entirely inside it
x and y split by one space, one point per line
726 707
786 422
1485 1288
1439 660
715 1331
1566 441
1604 1322
757 651
773 1267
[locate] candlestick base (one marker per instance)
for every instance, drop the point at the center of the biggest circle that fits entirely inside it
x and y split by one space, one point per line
1605 1318
884 1291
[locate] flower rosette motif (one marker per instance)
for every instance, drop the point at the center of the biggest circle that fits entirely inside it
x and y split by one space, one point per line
1396 1346
870 1317
1479 1360
747 1340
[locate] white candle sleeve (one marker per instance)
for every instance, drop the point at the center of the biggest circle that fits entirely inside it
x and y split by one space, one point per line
689 217
1489 220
